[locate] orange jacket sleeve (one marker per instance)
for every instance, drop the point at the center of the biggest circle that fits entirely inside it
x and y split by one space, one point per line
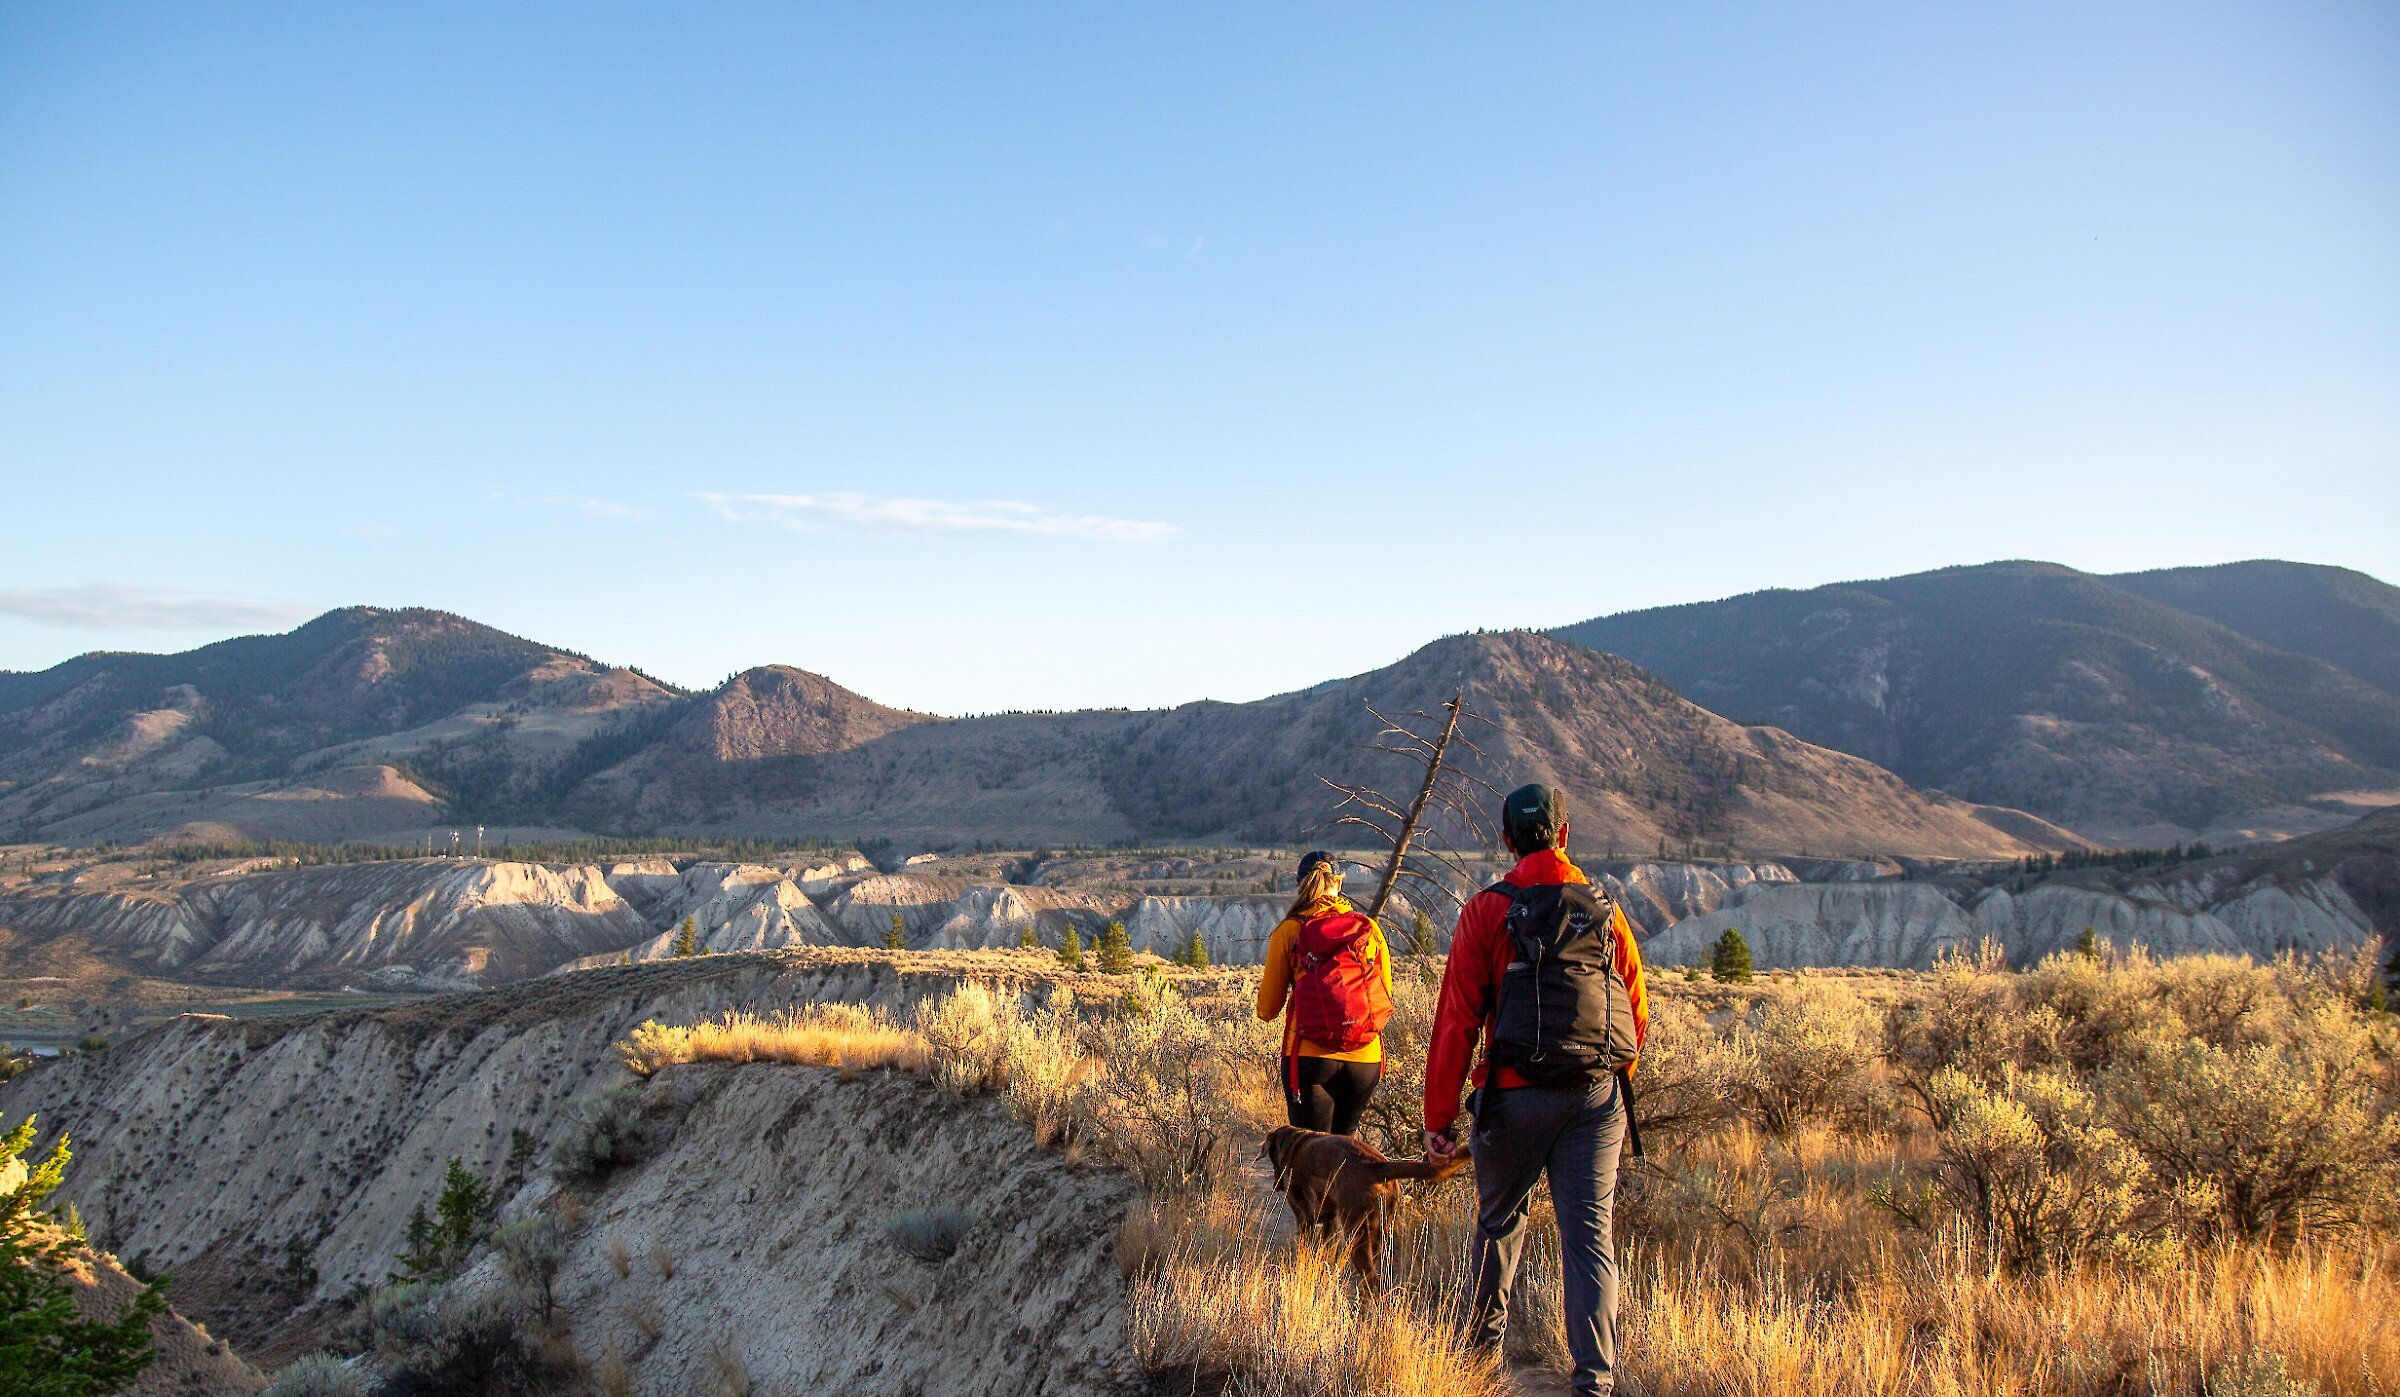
1275 977
1458 1019
1637 987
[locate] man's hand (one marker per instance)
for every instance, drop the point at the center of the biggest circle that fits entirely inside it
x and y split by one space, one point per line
1439 1145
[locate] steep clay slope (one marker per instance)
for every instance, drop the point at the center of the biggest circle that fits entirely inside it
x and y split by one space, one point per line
272 1166
771 1203
2039 687
186 1359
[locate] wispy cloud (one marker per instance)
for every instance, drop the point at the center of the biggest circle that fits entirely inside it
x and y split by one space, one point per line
848 508
111 606
604 509
610 509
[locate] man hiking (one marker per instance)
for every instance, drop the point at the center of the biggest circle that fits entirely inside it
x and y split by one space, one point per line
1545 971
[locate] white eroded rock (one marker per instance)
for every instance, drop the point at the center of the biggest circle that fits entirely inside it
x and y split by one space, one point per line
1898 924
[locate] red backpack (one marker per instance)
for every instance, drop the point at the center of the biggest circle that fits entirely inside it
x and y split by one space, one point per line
1338 996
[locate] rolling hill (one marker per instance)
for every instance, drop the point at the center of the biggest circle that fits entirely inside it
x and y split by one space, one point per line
361 721
2135 709
367 723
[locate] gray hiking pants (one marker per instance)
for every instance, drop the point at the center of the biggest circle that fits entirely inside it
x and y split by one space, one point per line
1573 1134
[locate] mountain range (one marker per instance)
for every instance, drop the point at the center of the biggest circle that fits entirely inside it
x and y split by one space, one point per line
1970 713
369 723
2138 708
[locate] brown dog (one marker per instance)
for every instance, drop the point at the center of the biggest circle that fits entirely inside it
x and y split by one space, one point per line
1341 1186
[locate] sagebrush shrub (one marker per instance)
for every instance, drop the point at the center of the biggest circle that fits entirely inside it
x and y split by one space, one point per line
1803 1055
1395 1115
618 1126
2036 1172
318 1375
930 1234
1690 1078
1972 1018
1161 1091
449 1340
2284 1139
1164 1096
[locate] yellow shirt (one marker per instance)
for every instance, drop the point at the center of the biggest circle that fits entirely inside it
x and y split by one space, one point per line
1275 989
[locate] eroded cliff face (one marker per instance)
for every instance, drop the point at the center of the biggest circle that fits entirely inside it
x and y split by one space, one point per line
1655 896
421 924
769 1210
1910 925
442 924
271 1165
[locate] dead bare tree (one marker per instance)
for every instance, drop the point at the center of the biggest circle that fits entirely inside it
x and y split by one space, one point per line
1423 831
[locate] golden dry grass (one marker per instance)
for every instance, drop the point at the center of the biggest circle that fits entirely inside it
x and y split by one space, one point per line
1212 1291
819 1035
1932 1323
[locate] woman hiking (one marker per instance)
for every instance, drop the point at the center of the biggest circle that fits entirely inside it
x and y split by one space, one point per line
1329 973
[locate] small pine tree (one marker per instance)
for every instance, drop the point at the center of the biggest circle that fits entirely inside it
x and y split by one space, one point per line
46 1346
2088 944
1116 950
1195 953
420 1252
687 941
1729 959
1070 949
1028 939
438 1246
1422 940
896 938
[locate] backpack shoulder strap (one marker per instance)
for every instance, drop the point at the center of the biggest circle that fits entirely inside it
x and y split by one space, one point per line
1506 889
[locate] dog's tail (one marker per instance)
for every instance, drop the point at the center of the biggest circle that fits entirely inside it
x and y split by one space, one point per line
1435 1169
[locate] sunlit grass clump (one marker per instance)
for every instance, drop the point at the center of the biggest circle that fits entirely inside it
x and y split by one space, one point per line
816 1035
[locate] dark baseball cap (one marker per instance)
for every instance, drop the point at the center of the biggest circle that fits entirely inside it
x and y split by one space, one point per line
1314 857
1532 816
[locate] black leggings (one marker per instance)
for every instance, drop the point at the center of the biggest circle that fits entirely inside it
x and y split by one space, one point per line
1323 1093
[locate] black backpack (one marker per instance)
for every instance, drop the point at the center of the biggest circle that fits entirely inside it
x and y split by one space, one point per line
1565 1015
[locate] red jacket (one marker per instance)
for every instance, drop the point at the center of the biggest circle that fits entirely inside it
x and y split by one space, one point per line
1478 957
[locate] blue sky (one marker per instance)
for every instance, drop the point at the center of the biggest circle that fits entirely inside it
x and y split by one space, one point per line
1046 356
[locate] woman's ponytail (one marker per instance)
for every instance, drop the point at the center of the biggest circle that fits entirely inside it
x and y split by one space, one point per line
1320 889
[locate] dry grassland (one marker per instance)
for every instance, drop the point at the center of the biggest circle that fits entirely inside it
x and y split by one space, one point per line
2094 1178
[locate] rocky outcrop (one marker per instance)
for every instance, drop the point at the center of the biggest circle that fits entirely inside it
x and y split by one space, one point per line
414 923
